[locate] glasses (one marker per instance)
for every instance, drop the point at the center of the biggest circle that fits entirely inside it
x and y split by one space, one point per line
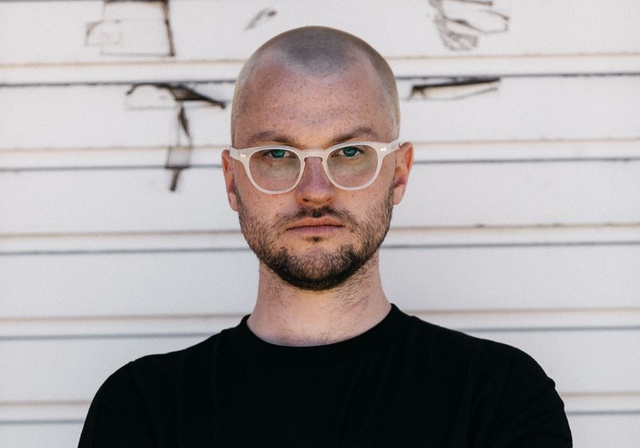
349 166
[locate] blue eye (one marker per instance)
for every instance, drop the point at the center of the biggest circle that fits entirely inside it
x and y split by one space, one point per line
350 151
277 153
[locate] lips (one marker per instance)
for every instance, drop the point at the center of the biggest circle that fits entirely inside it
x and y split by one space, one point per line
324 223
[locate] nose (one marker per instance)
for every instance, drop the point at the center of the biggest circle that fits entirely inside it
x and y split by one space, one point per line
314 187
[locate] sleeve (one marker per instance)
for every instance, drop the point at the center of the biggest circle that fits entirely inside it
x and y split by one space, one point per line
529 413
117 415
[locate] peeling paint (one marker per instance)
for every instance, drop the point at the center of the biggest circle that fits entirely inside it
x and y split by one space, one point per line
133 28
462 22
172 96
159 95
263 15
453 88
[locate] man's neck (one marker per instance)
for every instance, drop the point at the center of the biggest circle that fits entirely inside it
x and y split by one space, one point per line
286 315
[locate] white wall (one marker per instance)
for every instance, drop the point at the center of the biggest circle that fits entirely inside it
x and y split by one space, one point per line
521 223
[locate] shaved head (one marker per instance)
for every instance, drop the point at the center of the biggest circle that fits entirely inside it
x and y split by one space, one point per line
319 52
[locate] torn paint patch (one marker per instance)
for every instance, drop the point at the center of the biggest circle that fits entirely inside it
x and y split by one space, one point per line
167 95
461 23
172 96
132 28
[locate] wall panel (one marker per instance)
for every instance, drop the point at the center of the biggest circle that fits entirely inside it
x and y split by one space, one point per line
76 367
224 30
606 430
51 435
515 109
429 276
440 194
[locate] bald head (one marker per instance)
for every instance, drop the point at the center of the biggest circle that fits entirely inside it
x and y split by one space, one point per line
319 52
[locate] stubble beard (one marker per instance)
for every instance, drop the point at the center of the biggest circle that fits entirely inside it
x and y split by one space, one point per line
321 270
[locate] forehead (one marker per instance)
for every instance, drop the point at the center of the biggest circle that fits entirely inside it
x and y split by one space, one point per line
310 109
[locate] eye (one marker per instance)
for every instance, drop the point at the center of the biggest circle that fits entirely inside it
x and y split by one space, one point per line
276 153
349 151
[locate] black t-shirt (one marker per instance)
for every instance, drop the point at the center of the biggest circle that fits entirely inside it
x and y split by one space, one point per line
404 383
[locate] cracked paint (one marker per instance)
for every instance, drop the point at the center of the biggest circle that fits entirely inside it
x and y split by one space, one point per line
172 96
461 23
453 88
133 28
261 17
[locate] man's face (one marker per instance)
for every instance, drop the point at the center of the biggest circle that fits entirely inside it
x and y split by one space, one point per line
317 235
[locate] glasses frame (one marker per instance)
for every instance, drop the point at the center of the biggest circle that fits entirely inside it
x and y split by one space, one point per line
382 150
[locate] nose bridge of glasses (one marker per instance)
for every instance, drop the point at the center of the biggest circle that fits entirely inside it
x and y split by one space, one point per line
317 154
314 168
309 153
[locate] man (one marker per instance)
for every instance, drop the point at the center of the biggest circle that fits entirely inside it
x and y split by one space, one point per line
324 359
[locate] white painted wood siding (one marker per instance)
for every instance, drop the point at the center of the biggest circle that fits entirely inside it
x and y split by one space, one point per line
521 222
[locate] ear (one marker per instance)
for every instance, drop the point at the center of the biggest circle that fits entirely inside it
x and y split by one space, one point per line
227 170
404 162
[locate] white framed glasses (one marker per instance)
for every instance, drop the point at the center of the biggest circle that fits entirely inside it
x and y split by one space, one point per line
278 169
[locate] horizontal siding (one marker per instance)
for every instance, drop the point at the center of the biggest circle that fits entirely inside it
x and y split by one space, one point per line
520 223
565 108
427 274
77 366
51 435
78 363
427 152
610 430
440 194
514 35
183 324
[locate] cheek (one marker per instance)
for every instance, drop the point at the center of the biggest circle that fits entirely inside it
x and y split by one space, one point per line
370 206
244 190
256 205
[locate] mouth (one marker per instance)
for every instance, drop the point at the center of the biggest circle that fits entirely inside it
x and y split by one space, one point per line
316 226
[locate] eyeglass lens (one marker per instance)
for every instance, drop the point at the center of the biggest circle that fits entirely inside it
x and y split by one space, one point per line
279 169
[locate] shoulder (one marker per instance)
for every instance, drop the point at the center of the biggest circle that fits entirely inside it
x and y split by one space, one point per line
513 392
484 363
445 343
448 343
167 371
157 377
174 362
158 371
141 398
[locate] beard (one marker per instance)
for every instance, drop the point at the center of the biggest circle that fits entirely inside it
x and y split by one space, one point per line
320 270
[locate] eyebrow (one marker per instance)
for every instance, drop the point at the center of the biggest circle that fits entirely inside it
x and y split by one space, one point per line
360 133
